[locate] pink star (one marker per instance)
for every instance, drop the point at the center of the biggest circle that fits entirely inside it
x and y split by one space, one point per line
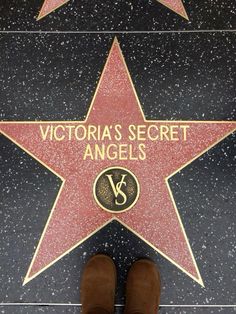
51 5
170 146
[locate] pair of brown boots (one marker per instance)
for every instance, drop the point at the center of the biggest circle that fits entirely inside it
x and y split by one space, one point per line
99 284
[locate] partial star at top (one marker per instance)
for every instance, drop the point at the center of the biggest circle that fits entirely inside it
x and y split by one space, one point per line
51 5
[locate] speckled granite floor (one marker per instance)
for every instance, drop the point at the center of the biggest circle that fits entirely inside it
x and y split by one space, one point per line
177 76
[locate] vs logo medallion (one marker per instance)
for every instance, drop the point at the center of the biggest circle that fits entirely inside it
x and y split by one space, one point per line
116 189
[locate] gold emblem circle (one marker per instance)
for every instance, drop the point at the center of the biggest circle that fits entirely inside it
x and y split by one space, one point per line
134 189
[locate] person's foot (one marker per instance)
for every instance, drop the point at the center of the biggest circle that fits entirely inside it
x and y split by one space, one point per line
98 285
143 288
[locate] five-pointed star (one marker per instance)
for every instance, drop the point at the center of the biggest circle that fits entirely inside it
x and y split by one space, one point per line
76 215
51 5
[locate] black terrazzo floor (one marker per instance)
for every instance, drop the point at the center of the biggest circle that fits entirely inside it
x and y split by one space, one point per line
178 76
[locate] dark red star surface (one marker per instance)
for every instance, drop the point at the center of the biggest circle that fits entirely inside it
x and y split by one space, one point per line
51 5
75 215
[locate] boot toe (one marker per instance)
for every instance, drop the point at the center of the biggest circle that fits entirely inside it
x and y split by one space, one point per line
98 284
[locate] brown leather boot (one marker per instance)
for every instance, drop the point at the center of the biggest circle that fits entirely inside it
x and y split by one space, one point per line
143 288
98 285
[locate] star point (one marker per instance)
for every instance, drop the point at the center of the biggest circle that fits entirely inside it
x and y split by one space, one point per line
176 6
49 6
